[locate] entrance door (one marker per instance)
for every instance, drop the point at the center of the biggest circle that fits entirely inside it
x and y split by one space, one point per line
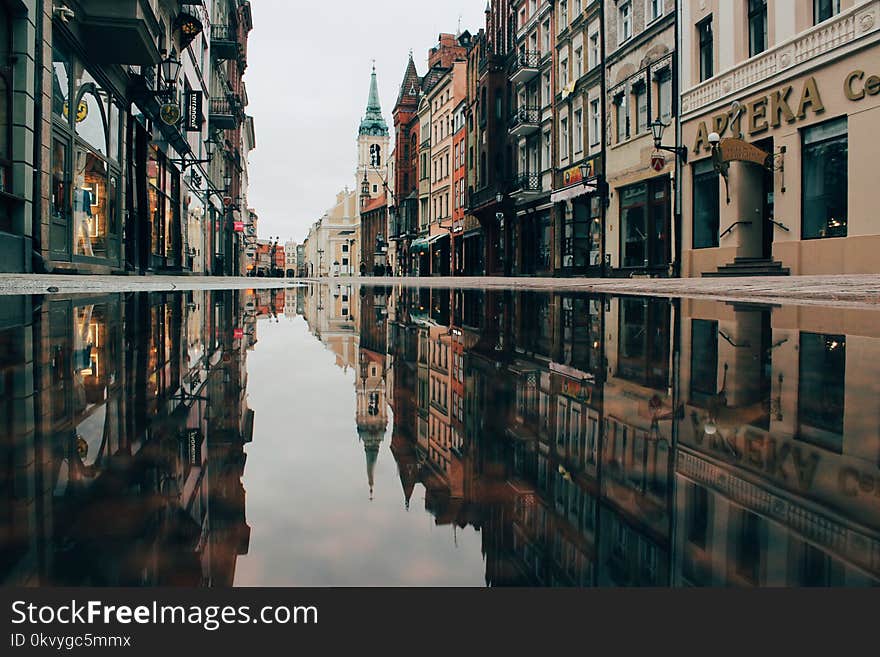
61 211
764 209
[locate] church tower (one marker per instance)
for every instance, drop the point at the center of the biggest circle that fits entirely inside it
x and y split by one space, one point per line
373 145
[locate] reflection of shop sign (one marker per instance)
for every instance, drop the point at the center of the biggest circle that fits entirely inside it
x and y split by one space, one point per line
195 447
194 100
238 226
737 150
170 114
82 111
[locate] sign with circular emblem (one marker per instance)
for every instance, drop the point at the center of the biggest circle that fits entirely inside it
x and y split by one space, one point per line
170 113
82 111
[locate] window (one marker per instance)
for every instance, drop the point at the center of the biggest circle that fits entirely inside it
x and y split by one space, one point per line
707 206
545 30
641 96
595 122
578 131
563 73
578 62
757 27
548 93
563 15
548 150
707 49
624 21
345 248
664 96
825 9
825 180
622 118
821 390
563 139
594 50
655 9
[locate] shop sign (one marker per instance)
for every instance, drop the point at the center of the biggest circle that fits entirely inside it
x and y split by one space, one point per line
237 334
760 114
194 116
857 87
737 150
575 175
658 161
238 226
170 113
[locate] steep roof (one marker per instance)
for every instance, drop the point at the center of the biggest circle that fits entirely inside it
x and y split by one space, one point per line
412 83
373 123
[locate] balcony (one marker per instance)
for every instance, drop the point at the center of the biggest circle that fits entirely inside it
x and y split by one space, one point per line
224 42
526 184
425 145
525 66
118 31
225 113
479 199
525 121
844 31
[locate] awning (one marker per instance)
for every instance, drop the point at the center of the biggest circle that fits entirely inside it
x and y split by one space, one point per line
423 243
574 191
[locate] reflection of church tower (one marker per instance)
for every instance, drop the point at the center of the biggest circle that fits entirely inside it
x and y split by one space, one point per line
372 411
373 144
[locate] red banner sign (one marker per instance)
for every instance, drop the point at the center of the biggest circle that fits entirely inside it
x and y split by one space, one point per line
237 334
238 226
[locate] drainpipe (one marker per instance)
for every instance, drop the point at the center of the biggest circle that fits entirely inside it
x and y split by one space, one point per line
36 207
604 190
679 164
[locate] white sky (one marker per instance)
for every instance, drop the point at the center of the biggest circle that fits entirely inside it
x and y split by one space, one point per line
308 79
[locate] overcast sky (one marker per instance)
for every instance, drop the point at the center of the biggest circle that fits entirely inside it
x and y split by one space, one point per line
308 79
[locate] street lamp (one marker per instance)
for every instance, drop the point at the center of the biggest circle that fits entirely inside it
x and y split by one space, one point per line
170 68
657 129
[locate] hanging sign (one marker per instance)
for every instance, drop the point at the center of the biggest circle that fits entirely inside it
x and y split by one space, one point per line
170 113
237 334
658 161
738 150
238 226
194 116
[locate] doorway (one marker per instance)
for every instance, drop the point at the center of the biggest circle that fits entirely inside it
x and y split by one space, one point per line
766 203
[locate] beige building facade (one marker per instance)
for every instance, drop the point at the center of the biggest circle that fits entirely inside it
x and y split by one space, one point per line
792 91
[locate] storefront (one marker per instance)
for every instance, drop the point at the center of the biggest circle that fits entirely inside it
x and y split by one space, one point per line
472 253
788 185
579 210
86 154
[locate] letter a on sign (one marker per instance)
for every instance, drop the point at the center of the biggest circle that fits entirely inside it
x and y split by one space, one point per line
658 161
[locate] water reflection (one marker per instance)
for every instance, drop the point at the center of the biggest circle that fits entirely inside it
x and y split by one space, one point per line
582 440
123 426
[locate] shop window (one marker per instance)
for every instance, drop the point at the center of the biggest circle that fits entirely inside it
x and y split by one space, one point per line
643 352
707 208
61 67
707 49
90 203
164 202
60 197
757 27
825 9
821 390
704 361
634 225
5 148
825 181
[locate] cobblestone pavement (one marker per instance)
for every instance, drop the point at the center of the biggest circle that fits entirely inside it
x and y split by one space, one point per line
845 290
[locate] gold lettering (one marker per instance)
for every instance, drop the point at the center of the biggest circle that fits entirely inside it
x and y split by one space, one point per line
848 480
758 116
702 138
810 98
719 123
848 85
779 107
872 85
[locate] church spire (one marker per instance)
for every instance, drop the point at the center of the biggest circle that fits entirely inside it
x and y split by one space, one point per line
373 123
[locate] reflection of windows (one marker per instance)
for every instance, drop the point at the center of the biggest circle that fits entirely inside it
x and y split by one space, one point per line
697 509
811 567
749 546
643 354
825 180
706 205
704 360
821 388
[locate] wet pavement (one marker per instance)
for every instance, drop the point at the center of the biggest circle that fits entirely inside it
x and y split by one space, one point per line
337 435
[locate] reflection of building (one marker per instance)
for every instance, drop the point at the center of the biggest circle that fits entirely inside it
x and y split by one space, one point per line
557 425
778 447
137 419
